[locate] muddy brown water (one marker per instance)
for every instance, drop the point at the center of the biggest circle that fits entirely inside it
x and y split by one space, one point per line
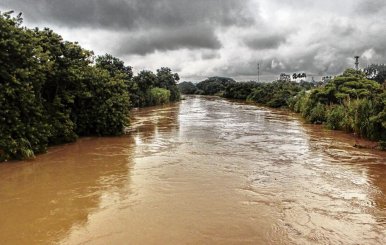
202 171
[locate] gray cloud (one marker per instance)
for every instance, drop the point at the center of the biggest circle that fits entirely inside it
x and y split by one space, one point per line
210 54
370 7
168 39
271 41
220 37
132 14
153 25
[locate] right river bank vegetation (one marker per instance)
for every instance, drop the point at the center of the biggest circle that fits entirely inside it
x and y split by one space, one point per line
53 91
350 102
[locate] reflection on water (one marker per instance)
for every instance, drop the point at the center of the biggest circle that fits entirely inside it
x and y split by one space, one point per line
205 170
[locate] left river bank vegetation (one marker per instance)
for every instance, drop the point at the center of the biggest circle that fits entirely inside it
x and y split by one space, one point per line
53 91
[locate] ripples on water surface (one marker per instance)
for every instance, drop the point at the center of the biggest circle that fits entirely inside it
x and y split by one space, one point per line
205 170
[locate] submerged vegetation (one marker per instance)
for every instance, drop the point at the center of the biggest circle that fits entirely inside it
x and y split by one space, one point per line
53 91
349 102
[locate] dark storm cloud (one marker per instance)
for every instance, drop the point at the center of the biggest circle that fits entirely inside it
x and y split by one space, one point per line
265 42
132 14
152 24
168 39
220 37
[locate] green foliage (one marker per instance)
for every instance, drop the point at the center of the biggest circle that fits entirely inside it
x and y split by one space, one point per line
23 121
214 85
114 66
275 94
336 117
159 96
51 92
145 81
239 90
351 85
168 80
349 102
102 107
362 123
298 102
187 88
317 114
382 145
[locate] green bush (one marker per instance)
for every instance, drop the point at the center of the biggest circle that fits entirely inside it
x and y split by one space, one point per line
145 81
277 94
298 102
187 88
317 114
23 121
214 85
102 108
159 96
364 126
336 117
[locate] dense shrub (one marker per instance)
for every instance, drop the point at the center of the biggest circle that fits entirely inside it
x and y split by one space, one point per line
159 96
214 85
317 114
146 81
168 80
187 88
102 107
335 117
349 102
51 91
24 124
240 90
276 94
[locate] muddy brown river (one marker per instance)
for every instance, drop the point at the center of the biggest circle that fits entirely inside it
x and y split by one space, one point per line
202 171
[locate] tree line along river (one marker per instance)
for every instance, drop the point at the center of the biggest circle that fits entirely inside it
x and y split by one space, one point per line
202 171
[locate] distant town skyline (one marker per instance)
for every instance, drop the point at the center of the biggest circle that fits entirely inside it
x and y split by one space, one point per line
204 38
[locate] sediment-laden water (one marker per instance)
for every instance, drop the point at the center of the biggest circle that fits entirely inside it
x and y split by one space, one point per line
204 171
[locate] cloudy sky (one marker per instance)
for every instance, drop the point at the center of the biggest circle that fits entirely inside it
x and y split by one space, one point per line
202 38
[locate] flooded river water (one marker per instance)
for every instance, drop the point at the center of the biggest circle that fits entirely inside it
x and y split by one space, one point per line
203 171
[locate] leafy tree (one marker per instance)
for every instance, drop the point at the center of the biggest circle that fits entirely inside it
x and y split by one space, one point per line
276 94
349 102
214 85
23 123
145 81
64 63
351 85
187 88
168 80
114 66
240 90
102 107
